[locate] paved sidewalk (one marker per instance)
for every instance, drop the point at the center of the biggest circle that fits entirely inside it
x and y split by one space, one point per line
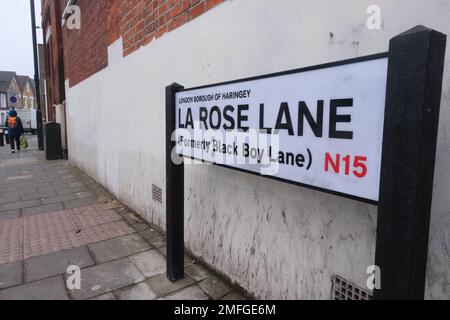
52 216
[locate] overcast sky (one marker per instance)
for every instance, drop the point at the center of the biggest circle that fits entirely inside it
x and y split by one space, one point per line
16 48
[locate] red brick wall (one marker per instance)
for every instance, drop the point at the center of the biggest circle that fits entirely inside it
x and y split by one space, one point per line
85 50
146 20
115 13
138 22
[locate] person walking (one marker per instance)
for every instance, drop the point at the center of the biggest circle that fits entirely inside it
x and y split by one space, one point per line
15 130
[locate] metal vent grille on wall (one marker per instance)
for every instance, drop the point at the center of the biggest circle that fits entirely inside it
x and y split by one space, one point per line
345 290
157 193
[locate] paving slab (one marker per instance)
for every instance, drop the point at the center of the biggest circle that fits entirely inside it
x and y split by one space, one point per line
47 289
150 263
38 245
57 263
42 209
46 188
79 203
85 194
106 231
107 277
189 293
141 291
92 217
19 205
39 194
130 217
214 287
188 261
9 199
58 185
118 248
10 274
76 184
43 183
140 227
11 241
156 239
69 190
56 199
234 297
8 215
18 189
162 286
198 272
107 296
18 178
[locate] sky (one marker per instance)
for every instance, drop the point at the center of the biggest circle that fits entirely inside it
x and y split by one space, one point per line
16 48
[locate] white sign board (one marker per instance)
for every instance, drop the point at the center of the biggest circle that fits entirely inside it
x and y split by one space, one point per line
320 127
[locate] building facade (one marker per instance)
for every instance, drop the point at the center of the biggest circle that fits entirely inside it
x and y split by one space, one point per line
27 92
16 91
275 240
6 79
10 92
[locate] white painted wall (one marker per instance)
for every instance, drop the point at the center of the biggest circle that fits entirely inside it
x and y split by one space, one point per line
273 239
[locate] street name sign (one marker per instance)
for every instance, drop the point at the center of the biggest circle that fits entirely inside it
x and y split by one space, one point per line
320 127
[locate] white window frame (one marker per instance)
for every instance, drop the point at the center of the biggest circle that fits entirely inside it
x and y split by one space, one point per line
3 100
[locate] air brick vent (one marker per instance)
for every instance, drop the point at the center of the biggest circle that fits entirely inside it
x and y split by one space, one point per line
157 193
345 290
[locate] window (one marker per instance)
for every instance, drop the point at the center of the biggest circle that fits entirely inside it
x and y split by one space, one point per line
3 100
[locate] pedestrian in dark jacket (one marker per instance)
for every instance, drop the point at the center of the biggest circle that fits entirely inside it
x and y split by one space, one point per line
15 130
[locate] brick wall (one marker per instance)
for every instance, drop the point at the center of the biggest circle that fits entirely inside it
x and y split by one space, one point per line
146 20
85 50
138 22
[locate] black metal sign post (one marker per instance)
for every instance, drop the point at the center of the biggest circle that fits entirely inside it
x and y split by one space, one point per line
416 63
414 86
174 194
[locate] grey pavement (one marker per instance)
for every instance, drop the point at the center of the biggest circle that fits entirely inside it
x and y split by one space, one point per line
53 216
